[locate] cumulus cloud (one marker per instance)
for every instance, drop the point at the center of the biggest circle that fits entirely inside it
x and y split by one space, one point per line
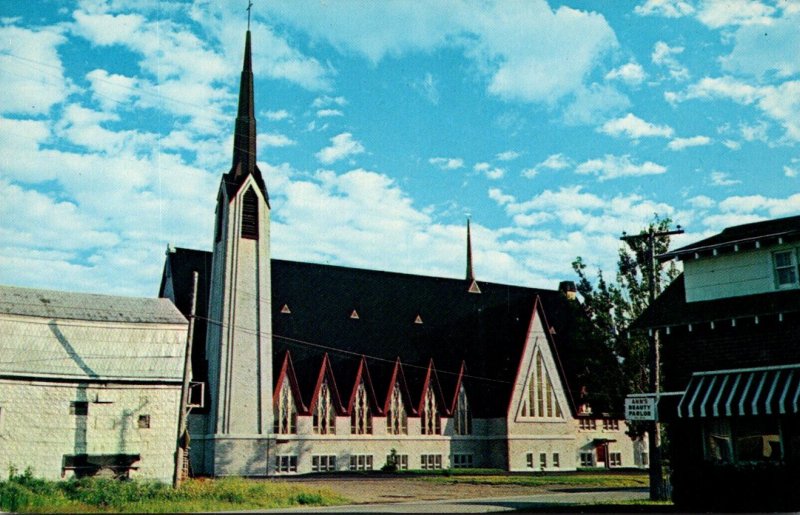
553 162
342 146
719 13
614 167
723 179
325 113
515 46
694 141
630 73
780 102
276 116
447 163
763 51
793 169
508 155
489 171
634 127
590 105
275 140
664 55
666 8
33 78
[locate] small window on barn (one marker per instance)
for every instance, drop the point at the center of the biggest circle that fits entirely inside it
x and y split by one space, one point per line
785 269
79 408
144 422
250 215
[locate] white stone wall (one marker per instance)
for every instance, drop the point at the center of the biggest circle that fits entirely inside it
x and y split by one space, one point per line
630 450
37 429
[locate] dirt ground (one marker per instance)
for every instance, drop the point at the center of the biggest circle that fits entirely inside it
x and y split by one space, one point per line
362 490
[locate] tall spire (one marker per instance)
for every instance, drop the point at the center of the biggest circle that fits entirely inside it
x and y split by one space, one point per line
473 284
470 272
244 140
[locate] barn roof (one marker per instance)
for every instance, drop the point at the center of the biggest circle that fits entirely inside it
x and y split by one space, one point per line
346 313
57 335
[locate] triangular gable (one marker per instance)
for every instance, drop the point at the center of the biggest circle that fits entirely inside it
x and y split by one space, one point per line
363 373
399 377
432 381
287 372
326 373
459 380
551 371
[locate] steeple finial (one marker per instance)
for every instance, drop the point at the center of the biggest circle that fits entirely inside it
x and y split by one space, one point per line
249 8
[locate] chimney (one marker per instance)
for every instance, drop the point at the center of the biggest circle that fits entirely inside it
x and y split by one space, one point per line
568 289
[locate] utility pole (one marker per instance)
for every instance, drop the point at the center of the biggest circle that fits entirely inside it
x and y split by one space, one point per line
182 445
657 490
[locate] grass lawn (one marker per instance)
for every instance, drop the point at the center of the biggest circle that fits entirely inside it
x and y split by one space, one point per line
30 495
584 479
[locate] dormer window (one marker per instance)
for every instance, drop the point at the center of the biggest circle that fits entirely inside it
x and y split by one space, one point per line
785 268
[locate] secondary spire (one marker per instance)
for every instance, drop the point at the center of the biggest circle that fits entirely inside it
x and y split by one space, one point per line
470 272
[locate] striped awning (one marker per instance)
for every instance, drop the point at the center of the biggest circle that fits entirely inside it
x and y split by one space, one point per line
741 392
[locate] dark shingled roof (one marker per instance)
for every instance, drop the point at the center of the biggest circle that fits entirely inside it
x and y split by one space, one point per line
485 331
742 235
671 309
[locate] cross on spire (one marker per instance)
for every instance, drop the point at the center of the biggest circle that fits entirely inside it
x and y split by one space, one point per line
249 8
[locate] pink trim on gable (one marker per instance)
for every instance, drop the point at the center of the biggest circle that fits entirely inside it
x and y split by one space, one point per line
432 381
399 377
459 379
287 370
326 372
522 354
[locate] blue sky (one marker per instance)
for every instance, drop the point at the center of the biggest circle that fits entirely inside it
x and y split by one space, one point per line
382 126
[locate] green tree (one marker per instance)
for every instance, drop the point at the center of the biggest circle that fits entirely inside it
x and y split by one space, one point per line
613 307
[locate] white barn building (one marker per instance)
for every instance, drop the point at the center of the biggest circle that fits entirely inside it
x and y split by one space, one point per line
89 383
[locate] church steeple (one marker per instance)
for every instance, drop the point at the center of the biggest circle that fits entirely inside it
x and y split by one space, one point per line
473 284
470 272
244 139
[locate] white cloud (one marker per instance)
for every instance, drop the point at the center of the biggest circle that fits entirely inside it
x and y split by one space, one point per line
501 198
325 113
342 146
793 169
447 163
635 128
553 162
694 141
275 116
666 8
508 155
780 102
723 179
761 51
731 144
515 46
664 55
630 73
719 13
701 202
491 172
614 167
428 87
590 105
275 140
33 78
772 207
326 100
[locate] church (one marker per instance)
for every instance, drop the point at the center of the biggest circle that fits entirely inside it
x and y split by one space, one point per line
315 368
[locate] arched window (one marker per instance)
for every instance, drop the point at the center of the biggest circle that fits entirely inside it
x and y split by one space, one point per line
463 422
324 418
396 417
361 418
539 398
431 422
250 215
285 411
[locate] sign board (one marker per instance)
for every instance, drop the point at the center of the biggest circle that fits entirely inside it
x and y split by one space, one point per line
640 407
